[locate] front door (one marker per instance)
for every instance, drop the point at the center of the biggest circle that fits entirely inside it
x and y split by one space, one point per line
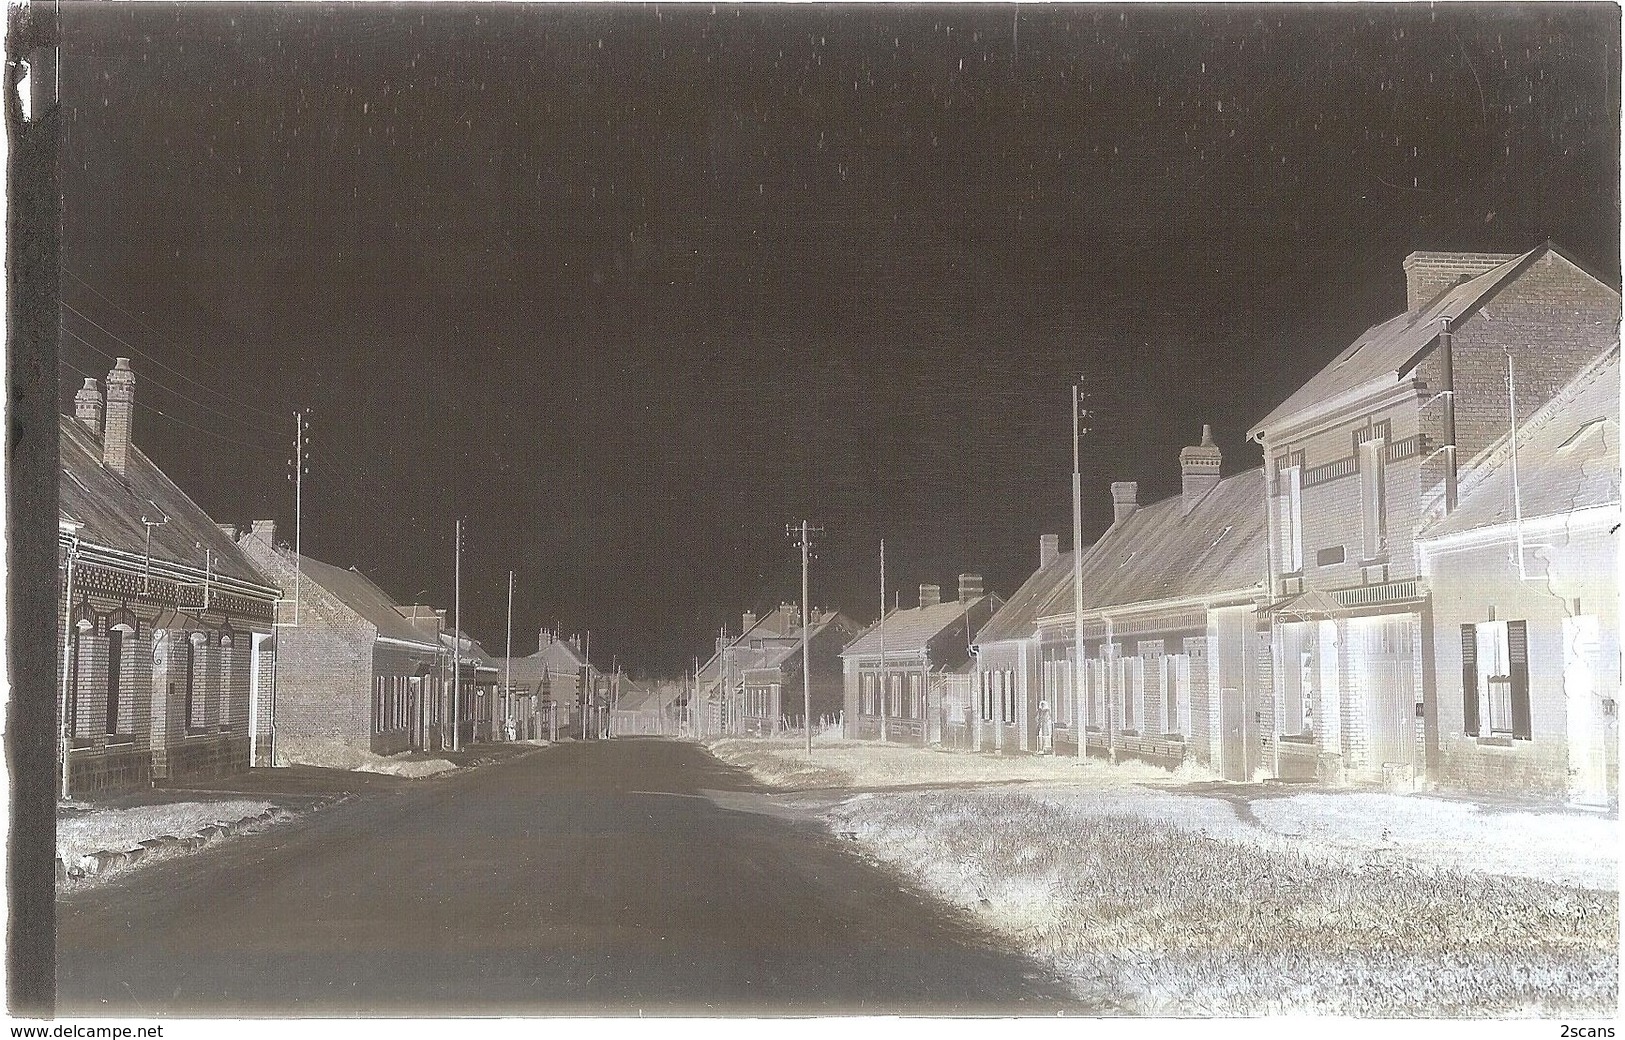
1388 651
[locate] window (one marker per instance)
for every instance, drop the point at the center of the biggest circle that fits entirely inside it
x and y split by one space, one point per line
1495 679
70 710
1131 671
194 698
984 697
115 671
1373 511
1289 518
866 704
1177 669
1298 675
1007 695
916 706
228 700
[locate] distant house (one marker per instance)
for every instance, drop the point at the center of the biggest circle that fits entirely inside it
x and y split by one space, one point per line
552 680
1524 624
1171 646
1000 709
752 684
1354 461
165 625
356 671
898 684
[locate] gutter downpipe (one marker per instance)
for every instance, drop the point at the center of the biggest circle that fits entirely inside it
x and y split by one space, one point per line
1448 374
64 726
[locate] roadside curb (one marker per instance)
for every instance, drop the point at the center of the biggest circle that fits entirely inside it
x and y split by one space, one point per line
108 861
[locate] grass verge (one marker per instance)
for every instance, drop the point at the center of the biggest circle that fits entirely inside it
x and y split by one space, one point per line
1154 920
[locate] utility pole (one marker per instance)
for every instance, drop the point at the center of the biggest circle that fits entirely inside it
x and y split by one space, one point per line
884 678
457 644
803 536
1078 699
507 658
301 446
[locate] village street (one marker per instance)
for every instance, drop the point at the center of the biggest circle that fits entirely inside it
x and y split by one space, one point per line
583 878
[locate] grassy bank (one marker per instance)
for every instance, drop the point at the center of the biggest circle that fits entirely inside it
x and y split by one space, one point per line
870 765
1152 919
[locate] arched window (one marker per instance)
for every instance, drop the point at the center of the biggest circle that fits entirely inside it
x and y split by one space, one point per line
227 674
74 665
115 674
195 644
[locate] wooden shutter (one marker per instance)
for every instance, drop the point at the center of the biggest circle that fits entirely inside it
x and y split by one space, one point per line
1518 669
1469 679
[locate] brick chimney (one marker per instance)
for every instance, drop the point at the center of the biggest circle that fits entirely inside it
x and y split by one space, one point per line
747 621
1429 274
264 532
1199 469
1126 498
1049 547
930 595
544 639
970 587
87 406
120 414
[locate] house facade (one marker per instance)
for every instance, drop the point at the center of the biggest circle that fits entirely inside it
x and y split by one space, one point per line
356 671
1170 633
1353 461
752 685
900 674
1524 627
995 704
545 687
165 625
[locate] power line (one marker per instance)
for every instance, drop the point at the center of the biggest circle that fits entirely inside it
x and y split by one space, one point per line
199 358
143 354
165 386
179 421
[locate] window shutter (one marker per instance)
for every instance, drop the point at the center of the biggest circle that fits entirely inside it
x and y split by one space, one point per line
1469 679
1518 659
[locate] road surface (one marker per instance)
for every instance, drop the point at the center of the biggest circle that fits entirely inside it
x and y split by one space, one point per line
583 879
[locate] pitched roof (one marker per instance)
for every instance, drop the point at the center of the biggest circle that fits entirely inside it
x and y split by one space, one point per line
1019 615
1389 350
1162 552
110 509
362 595
778 645
914 628
1568 458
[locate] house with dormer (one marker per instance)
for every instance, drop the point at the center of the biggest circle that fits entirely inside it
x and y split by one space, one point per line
1355 460
165 625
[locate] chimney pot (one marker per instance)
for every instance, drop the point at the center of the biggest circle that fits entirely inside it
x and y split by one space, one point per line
970 587
87 406
930 595
1049 547
1199 469
1125 499
120 416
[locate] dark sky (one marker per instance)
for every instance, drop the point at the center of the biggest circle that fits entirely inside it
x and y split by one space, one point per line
629 288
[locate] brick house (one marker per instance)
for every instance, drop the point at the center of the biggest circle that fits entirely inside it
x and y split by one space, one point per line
752 682
164 622
479 704
551 679
356 671
905 674
1524 629
1170 641
1003 688
1356 457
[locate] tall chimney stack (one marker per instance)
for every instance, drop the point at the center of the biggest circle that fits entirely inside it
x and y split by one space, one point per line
120 414
1428 274
1199 469
747 621
87 406
970 587
1125 498
930 595
1049 547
